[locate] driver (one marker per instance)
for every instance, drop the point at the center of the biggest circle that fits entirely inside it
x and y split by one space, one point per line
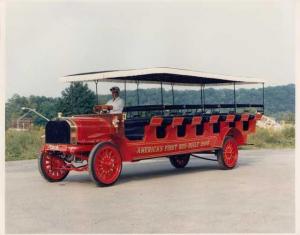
117 102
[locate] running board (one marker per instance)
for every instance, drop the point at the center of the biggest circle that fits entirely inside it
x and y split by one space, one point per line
204 158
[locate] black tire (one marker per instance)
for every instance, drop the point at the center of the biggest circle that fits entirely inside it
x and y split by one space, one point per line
228 162
44 173
180 161
92 164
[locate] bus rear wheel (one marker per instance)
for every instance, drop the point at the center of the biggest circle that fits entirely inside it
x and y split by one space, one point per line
180 161
228 155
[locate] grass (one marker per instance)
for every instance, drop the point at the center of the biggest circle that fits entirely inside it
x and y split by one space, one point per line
273 138
21 145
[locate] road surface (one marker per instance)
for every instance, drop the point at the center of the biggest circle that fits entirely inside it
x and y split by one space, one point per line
153 197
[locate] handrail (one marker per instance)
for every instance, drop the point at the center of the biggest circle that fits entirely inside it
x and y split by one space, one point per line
189 106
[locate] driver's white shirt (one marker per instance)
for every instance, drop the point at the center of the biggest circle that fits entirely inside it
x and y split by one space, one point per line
118 105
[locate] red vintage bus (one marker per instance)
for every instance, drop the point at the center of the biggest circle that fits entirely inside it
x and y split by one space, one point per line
100 142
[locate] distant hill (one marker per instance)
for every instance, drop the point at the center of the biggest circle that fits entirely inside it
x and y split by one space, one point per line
278 99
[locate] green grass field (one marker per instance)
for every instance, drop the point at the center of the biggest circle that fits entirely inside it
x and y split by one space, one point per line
273 138
21 145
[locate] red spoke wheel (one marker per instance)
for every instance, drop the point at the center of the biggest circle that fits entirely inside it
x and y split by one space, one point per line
105 164
228 155
180 161
52 168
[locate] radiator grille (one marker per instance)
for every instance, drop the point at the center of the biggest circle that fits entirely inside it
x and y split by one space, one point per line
57 132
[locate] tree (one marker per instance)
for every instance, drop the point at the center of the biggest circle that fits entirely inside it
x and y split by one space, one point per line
44 105
76 99
13 108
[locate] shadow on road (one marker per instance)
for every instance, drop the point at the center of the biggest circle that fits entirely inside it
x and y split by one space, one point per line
136 171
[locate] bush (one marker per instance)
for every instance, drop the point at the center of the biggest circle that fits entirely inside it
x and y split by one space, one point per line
22 145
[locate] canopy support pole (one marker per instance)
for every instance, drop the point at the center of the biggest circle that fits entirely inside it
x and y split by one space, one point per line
161 94
203 98
234 98
201 94
72 104
137 92
97 97
263 90
125 92
172 85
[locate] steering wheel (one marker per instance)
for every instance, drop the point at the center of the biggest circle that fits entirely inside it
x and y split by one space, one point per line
102 108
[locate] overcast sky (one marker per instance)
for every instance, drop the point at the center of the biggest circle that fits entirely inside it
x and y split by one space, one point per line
46 40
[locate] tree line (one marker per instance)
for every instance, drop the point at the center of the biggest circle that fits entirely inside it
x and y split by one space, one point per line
79 99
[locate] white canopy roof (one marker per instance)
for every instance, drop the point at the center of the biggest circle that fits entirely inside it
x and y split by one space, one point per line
160 74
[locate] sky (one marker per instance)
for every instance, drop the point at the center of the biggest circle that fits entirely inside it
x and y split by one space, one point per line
45 40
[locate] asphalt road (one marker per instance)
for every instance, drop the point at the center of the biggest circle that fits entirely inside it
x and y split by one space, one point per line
153 197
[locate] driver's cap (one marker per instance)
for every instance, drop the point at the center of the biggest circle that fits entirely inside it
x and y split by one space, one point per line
115 88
